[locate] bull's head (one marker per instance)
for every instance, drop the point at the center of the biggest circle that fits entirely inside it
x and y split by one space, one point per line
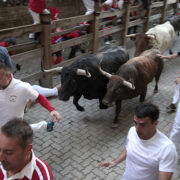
69 78
142 41
116 87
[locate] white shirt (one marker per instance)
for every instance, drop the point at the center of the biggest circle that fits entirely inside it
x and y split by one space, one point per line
145 158
13 100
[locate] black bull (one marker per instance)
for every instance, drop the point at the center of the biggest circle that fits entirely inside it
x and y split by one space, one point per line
132 79
82 77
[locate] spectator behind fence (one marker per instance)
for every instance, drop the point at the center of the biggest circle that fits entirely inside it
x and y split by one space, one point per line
5 58
55 15
89 5
16 154
149 154
36 7
111 5
146 4
15 94
9 42
175 133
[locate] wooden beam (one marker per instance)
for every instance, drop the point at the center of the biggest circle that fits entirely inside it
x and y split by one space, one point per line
46 80
19 31
68 43
33 77
111 30
127 7
23 47
18 58
146 24
66 31
72 21
157 4
106 14
163 13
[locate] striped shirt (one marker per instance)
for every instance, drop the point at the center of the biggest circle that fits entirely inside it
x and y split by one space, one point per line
36 169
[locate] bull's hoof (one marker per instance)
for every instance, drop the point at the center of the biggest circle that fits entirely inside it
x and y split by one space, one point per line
79 108
102 106
114 125
155 91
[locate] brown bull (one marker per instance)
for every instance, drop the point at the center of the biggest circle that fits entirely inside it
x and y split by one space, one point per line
132 79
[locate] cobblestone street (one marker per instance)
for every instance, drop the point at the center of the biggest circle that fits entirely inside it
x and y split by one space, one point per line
82 139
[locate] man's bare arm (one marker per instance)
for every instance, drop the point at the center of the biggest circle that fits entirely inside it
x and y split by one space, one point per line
165 175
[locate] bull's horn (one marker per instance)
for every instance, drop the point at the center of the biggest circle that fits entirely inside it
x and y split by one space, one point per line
129 85
151 36
57 69
82 72
108 75
131 35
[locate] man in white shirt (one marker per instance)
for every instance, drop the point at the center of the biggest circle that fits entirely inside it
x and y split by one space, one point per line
14 95
149 154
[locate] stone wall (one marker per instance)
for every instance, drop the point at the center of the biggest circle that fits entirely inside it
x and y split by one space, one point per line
17 15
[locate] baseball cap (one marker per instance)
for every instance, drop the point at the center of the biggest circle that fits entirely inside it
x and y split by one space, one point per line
5 58
11 40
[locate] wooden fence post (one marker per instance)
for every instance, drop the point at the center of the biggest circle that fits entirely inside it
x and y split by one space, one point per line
95 28
163 14
46 81
125 20
146 24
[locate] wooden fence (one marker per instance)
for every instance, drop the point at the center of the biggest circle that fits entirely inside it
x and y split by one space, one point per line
29 50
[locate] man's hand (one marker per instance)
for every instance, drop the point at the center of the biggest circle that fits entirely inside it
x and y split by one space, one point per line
170 57
55 115
177 81
109 164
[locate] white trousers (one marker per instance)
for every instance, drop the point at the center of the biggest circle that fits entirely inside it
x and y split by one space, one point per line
39 126
176 94
175 133
89 5
36 20
46 92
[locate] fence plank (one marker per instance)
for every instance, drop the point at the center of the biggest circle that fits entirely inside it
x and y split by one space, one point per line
68 62
68 43
113 29
23 47
19 31
72 21
157 4
69 30
33 77
18 58
106 14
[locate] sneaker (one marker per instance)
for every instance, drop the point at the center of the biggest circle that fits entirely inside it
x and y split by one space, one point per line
50 125
107 42
171 108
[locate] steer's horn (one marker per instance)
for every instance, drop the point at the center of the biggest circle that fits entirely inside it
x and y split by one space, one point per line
131 35
151 36
83 72
57 69
129 85
108 75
